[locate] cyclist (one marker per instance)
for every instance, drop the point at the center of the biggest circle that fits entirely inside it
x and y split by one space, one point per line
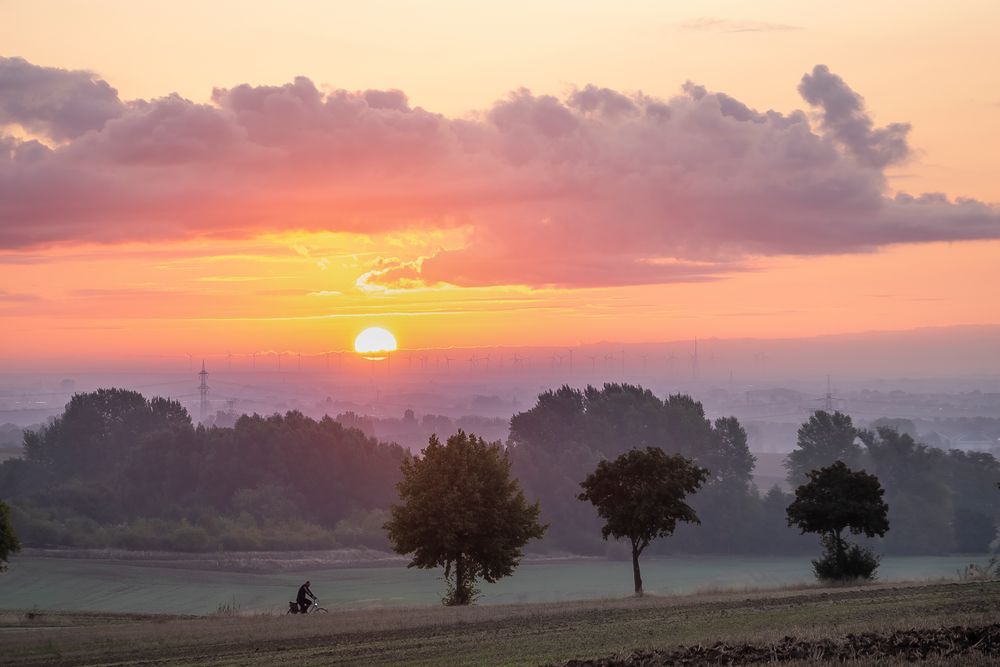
303 598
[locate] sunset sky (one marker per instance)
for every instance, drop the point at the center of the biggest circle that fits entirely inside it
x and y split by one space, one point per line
246 176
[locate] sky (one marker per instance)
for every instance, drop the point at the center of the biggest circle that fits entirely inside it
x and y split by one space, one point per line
197 178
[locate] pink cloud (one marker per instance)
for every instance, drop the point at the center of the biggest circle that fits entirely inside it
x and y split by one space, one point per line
599 188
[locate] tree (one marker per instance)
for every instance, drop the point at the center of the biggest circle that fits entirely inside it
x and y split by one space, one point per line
9 543
462 510
561 439
915 478
640 495
835 499
825 438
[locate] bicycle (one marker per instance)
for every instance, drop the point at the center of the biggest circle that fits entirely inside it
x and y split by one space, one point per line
314 608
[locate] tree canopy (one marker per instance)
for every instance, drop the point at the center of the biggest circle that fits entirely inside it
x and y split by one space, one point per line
940 501
826 437
461 509
118 469
640 495
562 438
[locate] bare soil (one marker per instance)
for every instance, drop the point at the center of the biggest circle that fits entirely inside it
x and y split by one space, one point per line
957 643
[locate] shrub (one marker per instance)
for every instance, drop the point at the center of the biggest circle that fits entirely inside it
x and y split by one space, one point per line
857 562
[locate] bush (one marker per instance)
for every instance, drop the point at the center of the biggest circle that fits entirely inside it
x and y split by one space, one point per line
857 563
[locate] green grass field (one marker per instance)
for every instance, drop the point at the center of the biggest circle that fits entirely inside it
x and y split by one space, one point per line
486 635
134 586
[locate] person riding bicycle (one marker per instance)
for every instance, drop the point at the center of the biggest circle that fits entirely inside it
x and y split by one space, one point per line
302 599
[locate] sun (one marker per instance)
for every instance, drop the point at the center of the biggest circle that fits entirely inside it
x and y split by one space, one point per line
375 343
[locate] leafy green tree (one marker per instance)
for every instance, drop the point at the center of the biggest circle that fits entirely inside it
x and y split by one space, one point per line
825 438
462 510
9 543
836 499
640 495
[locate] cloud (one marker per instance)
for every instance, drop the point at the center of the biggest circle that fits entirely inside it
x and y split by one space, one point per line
16 297
844 117
709 24
595 189
60 104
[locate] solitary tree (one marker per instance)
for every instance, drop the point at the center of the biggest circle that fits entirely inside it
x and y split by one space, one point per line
9 543
640 495
835 499
462 510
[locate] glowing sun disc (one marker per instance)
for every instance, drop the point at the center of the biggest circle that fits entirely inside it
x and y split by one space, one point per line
375 343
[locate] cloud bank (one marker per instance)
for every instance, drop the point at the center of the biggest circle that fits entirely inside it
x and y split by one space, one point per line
597 188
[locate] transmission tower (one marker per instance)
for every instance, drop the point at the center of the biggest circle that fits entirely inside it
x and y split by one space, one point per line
695 370
828 399
203 390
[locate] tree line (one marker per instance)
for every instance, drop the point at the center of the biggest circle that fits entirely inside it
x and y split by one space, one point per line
940 501
118 469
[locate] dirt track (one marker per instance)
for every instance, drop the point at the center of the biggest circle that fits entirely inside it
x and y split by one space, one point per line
517 634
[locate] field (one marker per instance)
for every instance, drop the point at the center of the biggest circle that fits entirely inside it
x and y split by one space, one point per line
524 634
199 587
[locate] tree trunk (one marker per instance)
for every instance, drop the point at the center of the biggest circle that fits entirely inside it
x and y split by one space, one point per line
460 589
841 557
635 570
